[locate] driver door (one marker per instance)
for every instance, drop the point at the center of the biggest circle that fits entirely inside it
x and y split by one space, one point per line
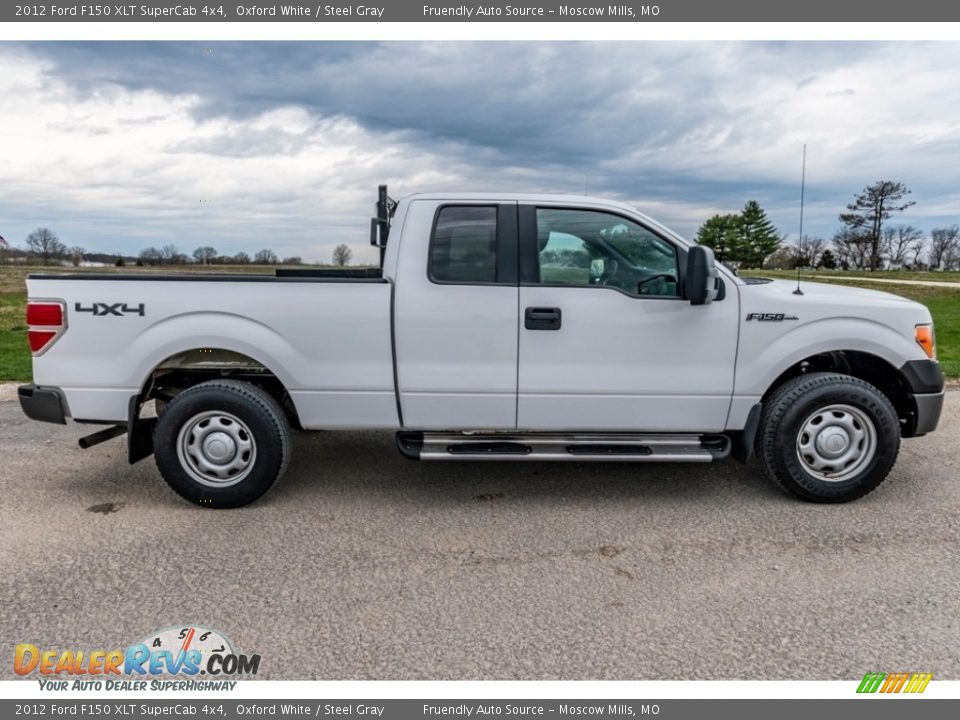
607 341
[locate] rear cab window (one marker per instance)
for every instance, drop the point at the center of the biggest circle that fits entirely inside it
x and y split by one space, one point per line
463 246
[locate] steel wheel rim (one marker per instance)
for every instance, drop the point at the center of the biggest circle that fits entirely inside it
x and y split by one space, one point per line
836 442
216 448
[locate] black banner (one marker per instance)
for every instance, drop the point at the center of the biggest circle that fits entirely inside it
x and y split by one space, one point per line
429 11
215 707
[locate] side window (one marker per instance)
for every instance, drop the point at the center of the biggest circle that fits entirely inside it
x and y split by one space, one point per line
589 247
464 245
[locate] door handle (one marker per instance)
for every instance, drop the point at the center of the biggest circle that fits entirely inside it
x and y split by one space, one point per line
542 318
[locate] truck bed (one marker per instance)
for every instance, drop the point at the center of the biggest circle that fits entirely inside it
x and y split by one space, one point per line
327 337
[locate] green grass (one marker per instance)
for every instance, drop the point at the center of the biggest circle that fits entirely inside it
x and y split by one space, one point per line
14 353
944 304
939 276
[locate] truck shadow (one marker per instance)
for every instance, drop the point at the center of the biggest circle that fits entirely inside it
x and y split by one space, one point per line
365 462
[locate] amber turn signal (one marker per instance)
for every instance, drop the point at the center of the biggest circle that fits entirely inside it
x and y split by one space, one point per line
926 340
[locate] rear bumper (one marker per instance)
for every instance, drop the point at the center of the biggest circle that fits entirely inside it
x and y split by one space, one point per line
43 404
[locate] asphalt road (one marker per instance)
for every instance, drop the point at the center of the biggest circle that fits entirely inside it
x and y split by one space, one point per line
361 564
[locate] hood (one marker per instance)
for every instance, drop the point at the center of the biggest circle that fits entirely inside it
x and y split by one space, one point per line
824 292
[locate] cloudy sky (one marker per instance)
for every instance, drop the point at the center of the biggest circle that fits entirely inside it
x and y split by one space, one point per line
117 146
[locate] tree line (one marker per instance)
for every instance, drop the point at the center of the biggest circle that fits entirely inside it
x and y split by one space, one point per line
43 245
864 241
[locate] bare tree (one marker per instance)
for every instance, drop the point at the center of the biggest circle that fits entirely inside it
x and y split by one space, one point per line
241 258
204 255
898 244
149 256
952 260
783 258
871 208
293 260
266 257
76 255
44 244
170 255
916 252
808 252
851 250
943 245
342 255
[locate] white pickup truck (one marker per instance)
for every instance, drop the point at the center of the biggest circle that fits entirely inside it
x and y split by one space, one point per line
499 327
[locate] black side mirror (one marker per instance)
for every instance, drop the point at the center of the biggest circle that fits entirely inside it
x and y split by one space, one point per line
702 280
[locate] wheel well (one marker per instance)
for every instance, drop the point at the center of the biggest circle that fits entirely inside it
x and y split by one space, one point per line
869 368
192 367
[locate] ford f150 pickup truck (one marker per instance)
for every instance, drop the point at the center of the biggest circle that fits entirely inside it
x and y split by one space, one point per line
498 327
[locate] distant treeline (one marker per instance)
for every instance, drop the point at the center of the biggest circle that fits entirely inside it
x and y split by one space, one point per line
44 246
864 241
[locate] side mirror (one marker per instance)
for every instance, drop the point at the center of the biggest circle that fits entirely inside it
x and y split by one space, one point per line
702 282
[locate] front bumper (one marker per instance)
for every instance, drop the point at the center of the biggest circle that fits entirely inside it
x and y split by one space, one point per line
928 412
925 379
43 404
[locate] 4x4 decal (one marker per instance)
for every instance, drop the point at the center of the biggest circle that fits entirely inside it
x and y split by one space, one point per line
119 309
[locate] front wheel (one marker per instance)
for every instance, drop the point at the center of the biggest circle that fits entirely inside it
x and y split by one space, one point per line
222 443
828 438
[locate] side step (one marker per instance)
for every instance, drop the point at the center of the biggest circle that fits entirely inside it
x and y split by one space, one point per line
579 447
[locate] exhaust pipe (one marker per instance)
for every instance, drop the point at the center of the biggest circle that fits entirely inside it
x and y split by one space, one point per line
102 436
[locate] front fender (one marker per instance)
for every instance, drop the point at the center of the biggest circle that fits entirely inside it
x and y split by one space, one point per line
763 356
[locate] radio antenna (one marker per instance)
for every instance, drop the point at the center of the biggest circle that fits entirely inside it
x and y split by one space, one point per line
803 184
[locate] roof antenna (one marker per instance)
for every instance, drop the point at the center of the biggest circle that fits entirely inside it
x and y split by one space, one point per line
803 183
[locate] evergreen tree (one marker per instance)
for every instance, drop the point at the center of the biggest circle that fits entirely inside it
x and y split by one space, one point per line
722 234
828 261
758 236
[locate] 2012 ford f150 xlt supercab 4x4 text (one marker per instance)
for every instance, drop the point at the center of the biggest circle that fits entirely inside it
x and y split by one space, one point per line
499 327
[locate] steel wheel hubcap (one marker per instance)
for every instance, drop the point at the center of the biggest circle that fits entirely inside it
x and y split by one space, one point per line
216 448
836 442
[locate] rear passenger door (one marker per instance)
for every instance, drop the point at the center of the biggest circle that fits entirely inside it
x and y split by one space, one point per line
456 316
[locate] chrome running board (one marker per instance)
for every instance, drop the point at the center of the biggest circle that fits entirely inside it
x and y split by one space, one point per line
577 447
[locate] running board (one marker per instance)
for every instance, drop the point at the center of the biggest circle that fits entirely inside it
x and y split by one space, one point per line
578 447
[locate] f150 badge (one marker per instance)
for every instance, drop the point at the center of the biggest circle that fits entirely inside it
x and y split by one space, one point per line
103 309
771 317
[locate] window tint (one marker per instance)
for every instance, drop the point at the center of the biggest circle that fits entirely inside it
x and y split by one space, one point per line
464 246
587 247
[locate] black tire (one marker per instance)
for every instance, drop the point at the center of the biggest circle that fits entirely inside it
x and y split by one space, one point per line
801 404
238 415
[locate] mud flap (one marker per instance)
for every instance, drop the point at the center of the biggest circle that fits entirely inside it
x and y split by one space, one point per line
139 433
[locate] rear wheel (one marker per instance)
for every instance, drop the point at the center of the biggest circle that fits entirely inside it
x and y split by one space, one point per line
826 437
222 443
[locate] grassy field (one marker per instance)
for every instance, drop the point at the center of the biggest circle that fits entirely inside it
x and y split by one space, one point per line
944 304
14 354
939 276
